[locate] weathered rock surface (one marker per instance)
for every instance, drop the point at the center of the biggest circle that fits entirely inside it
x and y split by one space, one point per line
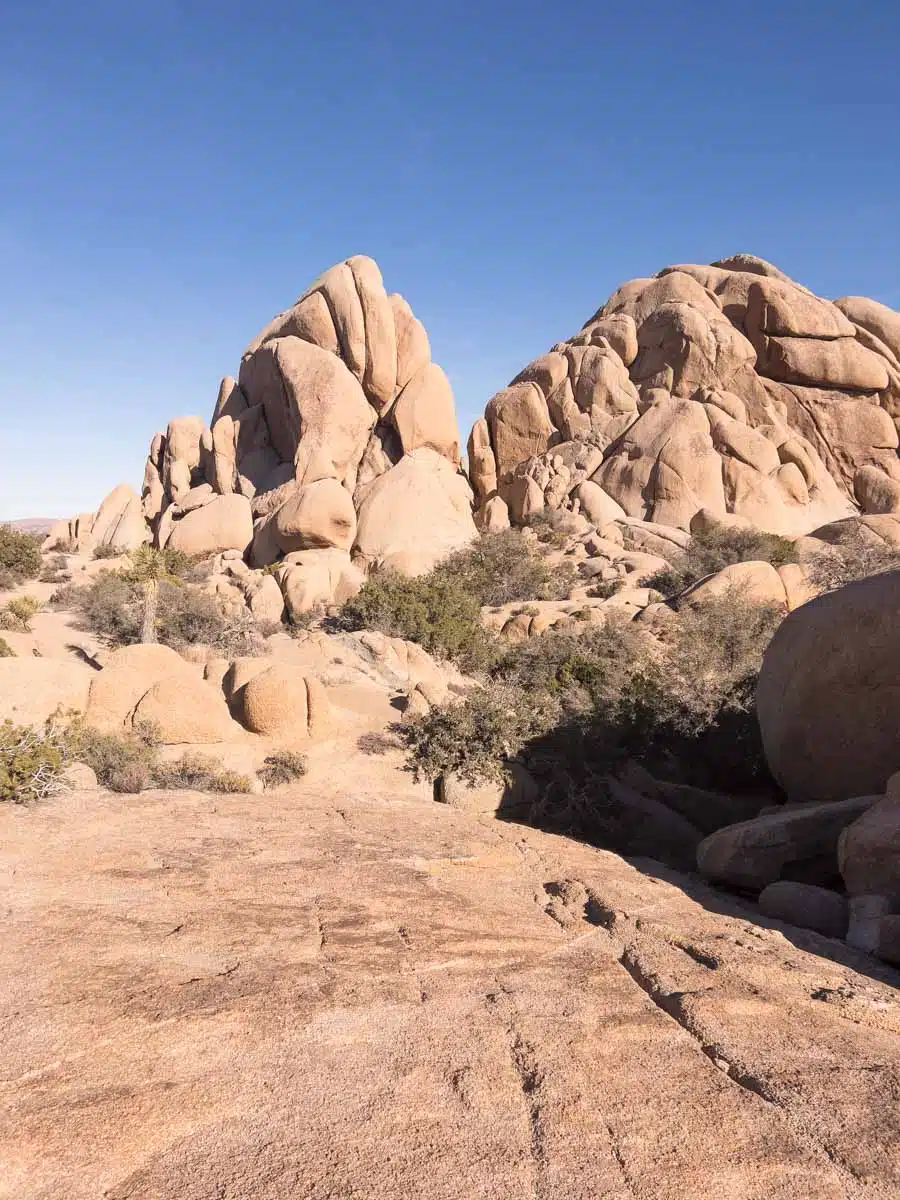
346 991
869 849
799 842
829 693
709 388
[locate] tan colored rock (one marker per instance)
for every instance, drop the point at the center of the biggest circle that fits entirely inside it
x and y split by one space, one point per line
128 676
230 402
425 414
842 363
780 308
416 514
413 349
520 427
829 692
317 516
752 582
283 703
120 522
548 372
312 579
303 388
524 499
186 709
875 491
877 318
225 523
264 599
338 286
309 319
800 841
31 689
380 375
182 455
620 331
494 516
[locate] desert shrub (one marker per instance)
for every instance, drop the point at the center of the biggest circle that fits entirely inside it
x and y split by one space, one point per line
122 762
578 704
17 614
604 588
284 766
199 773
436 610
716 548
853 557
30 762
6 650
503 567
107 551
188 616
109 606
55 570
20 555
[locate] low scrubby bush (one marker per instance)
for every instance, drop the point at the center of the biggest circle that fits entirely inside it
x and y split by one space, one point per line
17 614
854 557
31 762
717 548
55 570
107 551
284 766
122 762
578 704
198 773
6 651
20 556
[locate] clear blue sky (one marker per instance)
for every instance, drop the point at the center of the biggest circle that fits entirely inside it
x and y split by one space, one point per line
174 174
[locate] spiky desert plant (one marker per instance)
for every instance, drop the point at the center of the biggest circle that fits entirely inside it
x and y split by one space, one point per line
149 568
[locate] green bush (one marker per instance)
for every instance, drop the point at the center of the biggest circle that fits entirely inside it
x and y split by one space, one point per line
30 762
501 568
284 766
107 551
435 610
854 557
716 548
6 650
578 704
17 613
20 556
198 773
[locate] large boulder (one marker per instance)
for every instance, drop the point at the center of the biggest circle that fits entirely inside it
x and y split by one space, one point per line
829 693
807 906
314 579
225 523
283 703
32 689
799 842
154 684
317 516
415 514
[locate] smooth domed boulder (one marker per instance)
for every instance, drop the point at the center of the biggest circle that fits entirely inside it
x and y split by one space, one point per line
752 582
119 522
829 693
225 523
32 689
317 516
186 709
415 514
799 842
877 318
126 678
599 508
806 906
282 702
520 426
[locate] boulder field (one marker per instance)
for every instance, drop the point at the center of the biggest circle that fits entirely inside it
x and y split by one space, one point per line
719 393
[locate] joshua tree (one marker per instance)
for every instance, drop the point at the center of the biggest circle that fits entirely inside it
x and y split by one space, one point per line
148 569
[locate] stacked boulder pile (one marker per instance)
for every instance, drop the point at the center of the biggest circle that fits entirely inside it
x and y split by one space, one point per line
336 450
726 389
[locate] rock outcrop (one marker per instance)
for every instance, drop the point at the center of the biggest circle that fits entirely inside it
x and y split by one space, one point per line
338 434
727 388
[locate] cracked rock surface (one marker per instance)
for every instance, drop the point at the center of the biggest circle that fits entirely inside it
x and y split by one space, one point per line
345 990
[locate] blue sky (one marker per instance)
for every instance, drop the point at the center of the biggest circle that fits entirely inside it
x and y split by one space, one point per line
174 174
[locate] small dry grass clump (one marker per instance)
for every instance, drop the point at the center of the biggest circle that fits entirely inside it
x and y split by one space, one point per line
199 773
122 762
284 766
56 570
378 742
105 551
6 651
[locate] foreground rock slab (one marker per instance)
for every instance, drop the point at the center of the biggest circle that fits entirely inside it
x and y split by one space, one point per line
345 989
